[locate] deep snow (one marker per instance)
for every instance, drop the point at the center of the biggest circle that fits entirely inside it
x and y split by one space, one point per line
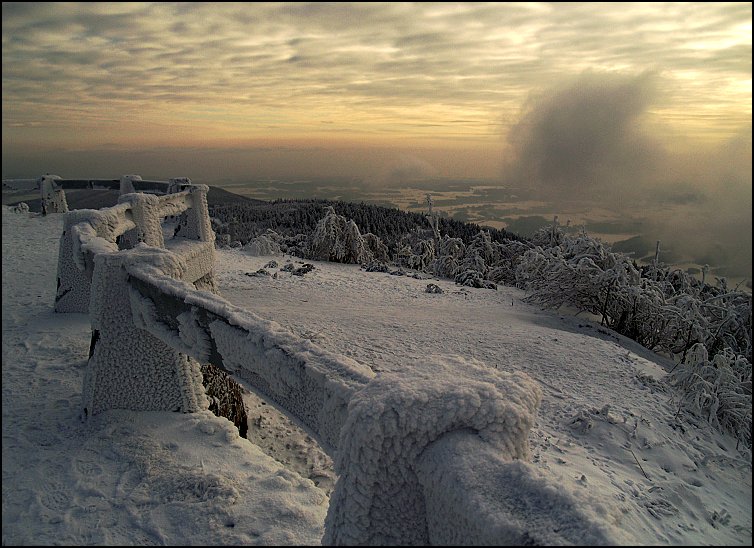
607 428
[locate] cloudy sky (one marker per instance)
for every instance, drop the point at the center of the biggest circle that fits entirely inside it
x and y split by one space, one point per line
637 106
419 77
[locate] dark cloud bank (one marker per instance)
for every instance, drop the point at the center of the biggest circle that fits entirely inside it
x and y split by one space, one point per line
588 142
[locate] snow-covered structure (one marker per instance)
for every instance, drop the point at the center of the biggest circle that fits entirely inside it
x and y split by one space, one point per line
177 184
127 183
406 444
53 197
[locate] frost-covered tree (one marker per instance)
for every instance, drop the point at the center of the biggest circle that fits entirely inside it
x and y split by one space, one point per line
450 253
473 278
504 270
420 256
717 390
338 239
660 308
377 249
481 254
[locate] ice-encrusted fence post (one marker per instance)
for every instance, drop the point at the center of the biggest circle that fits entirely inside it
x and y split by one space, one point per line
198 224
128 367
144 211
379 499
53 198
127 184
73 282
195 224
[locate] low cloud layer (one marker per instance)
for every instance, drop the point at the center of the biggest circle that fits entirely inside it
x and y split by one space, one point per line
584 138
589 143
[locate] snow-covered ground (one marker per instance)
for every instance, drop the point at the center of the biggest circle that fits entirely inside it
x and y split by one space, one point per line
608 428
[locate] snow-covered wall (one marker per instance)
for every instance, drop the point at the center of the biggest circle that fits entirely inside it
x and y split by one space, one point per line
378 498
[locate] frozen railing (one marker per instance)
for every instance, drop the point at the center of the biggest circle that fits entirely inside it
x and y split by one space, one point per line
135 219
52 196
433 454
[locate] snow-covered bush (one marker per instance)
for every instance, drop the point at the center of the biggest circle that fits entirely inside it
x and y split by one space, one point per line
504 269
481 253
718 390
222 240
376 266
583 273
663 310
338 239
549 236
473 278
22 207
265 244
377 249
420 255
295 245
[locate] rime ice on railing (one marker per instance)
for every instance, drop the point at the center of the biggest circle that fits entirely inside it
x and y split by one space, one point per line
53 198
127 183
397 438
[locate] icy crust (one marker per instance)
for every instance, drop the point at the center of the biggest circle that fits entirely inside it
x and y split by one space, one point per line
174 204
145 211
130 368
127 183
198 257
302 381
95 231
89 232
145 261
158 277
53 198
378 498
198 224
190 339
86 232
72 293
309 382
476 496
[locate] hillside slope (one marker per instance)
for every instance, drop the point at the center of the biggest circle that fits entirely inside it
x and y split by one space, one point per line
607 430
607 418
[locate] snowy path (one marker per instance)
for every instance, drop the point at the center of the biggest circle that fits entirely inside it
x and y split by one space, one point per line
390 322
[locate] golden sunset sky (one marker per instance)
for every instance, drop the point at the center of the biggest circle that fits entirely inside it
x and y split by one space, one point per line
420 77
